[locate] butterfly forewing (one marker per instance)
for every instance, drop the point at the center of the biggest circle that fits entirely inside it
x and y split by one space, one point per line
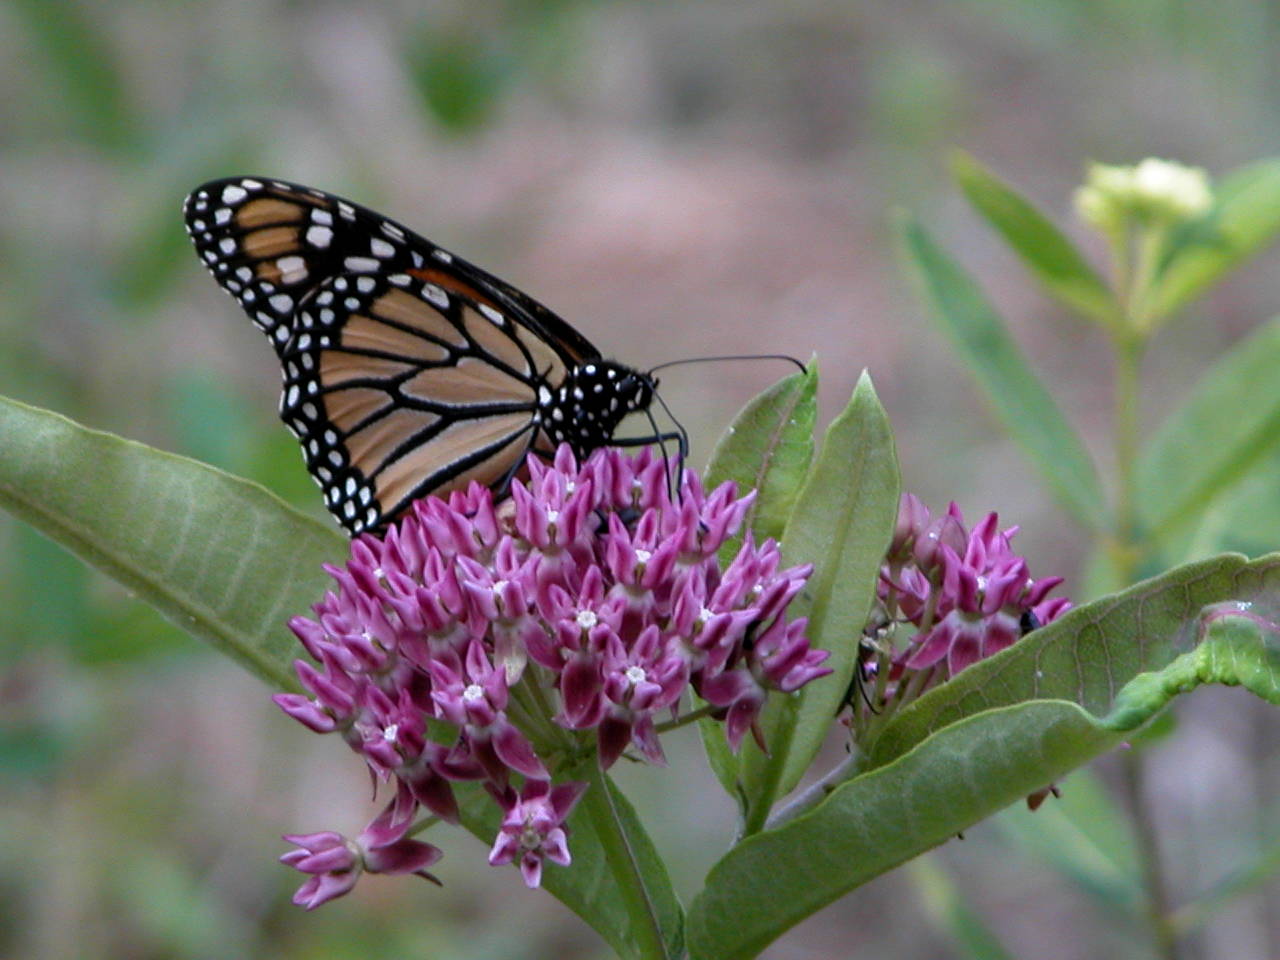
407 370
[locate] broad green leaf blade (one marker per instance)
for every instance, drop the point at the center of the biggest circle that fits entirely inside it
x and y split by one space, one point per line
1230 421
987 739
1019 399
767 448
774 879
1047 253
220 557
589 886
1244 219
842 523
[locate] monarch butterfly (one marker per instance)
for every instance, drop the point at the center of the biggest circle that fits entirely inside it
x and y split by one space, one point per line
407 370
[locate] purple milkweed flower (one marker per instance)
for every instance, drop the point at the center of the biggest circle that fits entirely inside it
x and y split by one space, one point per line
471 640
967 591
533 827
336 863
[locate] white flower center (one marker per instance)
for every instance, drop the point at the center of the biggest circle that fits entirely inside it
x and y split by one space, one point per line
499 586
642 556
553 516
473 693
391 733
635 675
587 619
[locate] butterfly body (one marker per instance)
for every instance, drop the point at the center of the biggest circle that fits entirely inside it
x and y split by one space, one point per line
407 370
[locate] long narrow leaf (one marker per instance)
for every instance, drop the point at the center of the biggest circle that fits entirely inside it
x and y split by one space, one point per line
767 448
1019 399
1050 256
842 523
1229 422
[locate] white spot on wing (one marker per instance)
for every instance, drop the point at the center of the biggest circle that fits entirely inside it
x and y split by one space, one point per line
434 294
233 194
380 248
319 236
292 269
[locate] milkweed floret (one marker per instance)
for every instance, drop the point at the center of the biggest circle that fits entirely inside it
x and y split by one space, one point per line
967 593
486 643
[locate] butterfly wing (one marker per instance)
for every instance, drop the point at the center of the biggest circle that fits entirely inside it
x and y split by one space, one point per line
270 244
407 370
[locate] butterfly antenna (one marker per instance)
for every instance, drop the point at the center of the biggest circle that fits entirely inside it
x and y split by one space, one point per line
737 356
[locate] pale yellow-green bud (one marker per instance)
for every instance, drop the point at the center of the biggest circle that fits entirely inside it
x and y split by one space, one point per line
1112 181
1171 189
1097 209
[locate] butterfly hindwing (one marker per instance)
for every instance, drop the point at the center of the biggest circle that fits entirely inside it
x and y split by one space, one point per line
396 387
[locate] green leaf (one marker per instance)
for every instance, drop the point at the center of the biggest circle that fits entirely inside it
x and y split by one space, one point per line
767 448
992 735
1019 399
774 879
1047 253
1244 219
1230 421
221 558
842 523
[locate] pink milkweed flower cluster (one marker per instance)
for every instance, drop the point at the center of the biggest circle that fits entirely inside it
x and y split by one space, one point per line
966 591
479 641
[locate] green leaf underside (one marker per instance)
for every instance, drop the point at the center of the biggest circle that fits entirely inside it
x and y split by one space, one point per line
767 448
1245 218
220 557
1019 399
1002 729
588 886
1051 257
842 523
1230 420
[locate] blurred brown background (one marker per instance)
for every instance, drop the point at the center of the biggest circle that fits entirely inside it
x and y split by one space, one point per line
676 180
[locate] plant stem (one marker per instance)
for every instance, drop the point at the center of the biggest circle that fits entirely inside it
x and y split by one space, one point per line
1125 549
1158 914
688 718
645 929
